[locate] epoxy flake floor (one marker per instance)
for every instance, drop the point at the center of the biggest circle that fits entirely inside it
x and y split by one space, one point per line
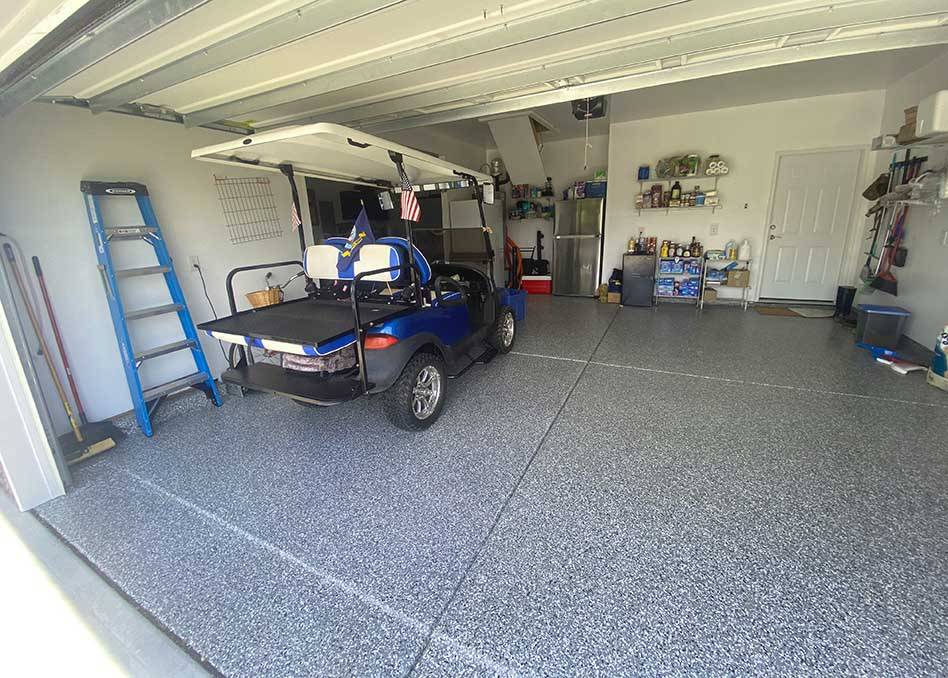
631 492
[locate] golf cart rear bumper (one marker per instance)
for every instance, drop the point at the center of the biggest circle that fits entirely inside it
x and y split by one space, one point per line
383 368
310 388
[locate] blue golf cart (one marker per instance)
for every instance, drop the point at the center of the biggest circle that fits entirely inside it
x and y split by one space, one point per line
388 323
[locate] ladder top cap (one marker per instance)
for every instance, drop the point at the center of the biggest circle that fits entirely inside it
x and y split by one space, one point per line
113 188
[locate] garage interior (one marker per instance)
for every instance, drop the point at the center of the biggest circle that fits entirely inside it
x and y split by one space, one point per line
712 469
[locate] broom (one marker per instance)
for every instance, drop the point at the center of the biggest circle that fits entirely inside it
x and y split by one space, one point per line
77 444
105 434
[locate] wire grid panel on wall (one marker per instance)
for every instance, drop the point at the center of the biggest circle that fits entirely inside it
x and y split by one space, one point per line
249 208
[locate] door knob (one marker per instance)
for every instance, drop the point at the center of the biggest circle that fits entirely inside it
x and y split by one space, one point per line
774 237
773 227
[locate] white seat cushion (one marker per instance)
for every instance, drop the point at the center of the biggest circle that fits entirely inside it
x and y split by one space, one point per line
373 257
322 262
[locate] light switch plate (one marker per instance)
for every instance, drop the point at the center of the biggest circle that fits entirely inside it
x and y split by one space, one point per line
714 229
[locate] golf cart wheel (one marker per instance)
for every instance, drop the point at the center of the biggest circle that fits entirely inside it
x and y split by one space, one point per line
504 332
414 402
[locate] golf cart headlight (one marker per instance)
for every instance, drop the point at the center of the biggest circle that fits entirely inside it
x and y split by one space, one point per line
375 342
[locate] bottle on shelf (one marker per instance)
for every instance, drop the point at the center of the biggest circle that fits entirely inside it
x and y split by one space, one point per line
676 191
664 250
744 252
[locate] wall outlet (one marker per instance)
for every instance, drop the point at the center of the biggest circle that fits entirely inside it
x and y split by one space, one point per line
714 229
194 264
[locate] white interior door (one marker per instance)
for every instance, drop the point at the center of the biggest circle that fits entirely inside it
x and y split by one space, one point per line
809 223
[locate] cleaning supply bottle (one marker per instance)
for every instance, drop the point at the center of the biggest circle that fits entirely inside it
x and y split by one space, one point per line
744 252
730 250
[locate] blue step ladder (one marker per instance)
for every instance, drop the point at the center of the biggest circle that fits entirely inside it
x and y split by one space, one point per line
145 400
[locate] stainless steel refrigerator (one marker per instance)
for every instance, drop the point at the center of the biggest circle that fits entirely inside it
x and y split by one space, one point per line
577 246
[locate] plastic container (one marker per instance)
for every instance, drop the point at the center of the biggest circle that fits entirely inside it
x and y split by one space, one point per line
538 284
880 325
515 299
744 251
595 189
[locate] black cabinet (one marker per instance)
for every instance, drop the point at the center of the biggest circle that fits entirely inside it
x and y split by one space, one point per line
638 279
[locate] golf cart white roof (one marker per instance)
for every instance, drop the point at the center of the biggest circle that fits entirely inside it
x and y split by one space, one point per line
329 151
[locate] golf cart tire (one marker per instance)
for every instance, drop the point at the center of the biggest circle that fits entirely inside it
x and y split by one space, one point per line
398 400
496 336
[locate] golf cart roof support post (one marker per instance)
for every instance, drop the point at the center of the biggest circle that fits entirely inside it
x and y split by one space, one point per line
287 170
479 198
413 273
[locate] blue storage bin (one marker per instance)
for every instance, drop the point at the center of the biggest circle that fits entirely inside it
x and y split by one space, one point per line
595 189
880 325
515 299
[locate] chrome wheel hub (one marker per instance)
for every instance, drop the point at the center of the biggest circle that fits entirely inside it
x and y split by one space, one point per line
426 392
507 329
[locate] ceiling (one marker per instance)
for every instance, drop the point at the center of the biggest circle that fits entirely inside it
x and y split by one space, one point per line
385 65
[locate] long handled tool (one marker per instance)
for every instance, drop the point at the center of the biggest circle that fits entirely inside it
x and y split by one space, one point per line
85 450
105 434
34 320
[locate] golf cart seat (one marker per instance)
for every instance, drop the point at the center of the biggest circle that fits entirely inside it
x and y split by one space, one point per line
326 258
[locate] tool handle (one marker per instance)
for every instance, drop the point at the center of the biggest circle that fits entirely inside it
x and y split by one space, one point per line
36 267
9 251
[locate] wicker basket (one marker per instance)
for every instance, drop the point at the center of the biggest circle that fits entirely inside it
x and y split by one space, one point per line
267 297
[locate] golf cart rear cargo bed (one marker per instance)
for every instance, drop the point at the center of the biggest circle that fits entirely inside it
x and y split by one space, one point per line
303 321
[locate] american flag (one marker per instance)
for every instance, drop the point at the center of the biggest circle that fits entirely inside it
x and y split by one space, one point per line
295 220
411 210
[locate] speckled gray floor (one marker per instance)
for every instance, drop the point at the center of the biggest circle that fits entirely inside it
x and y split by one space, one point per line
622 496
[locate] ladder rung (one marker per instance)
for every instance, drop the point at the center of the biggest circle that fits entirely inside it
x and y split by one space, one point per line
129 232
154 310
145 270
163 389
163 349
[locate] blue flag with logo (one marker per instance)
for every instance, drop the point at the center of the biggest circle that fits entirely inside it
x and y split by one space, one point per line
361 234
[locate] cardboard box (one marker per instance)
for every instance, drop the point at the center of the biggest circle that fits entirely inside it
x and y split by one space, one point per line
911 115
613 297
906 134
737 278
710 294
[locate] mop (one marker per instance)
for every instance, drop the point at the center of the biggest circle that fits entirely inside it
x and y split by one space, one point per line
87 439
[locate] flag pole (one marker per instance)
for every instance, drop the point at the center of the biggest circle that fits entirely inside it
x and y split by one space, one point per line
413 273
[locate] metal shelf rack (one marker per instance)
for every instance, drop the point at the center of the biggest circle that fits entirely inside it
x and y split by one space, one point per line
684 276
745 265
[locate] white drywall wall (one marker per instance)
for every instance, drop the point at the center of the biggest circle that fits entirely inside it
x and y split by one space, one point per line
48 149
749 138
923 281
563 161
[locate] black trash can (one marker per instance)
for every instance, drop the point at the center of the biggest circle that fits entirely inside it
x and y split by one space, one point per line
845 296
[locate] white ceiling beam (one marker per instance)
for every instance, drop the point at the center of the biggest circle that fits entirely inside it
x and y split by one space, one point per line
299 23
24 27
790 54
502 32
747 36
106 36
